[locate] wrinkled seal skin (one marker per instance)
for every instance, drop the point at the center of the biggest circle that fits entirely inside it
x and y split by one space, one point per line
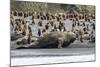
54 40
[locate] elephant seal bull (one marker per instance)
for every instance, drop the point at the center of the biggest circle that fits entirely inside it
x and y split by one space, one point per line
54 40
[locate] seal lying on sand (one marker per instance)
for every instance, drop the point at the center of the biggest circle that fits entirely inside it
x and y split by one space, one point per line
54 40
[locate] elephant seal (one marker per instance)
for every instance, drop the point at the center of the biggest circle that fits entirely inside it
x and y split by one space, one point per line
54 40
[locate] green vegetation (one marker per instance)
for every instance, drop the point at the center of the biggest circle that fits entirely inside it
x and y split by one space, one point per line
52 7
